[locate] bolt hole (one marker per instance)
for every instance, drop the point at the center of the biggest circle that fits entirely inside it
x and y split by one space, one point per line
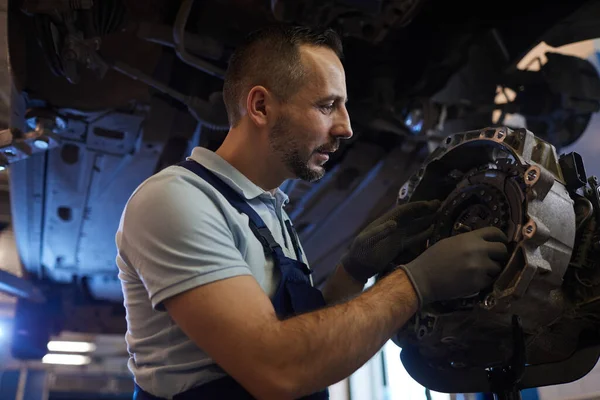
65 213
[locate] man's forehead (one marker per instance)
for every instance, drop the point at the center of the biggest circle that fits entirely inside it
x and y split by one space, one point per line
324 70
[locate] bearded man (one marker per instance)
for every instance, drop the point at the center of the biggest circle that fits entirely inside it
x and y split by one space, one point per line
219 296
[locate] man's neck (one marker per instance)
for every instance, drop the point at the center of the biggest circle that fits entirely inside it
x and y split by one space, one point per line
251 159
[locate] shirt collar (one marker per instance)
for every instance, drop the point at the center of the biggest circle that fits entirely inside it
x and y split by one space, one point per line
234 178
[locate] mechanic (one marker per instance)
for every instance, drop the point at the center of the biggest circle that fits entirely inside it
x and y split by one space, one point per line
219 297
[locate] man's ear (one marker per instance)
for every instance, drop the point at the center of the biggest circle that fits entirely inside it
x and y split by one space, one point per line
257 104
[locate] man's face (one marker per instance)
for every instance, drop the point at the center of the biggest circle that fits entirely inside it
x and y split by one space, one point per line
311 123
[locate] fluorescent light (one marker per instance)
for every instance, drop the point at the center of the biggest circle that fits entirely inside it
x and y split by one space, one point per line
71 347
66 359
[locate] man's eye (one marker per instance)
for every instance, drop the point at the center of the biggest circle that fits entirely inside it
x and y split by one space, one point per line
327 107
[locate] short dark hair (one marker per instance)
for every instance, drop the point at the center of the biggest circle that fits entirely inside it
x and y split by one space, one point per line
270 57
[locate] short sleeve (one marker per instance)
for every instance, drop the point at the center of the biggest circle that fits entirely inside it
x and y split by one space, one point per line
176 236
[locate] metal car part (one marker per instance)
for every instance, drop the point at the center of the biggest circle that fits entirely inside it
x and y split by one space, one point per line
371 21
514 181
179 40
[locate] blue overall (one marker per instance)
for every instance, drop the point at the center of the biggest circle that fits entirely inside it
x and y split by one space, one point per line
294 294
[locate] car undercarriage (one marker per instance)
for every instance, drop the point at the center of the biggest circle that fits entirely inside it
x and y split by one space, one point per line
99 95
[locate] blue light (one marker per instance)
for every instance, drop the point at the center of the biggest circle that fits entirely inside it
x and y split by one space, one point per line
31 123
414 122
4 330
417 127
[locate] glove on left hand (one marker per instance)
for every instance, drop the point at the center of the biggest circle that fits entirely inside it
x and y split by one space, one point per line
387 237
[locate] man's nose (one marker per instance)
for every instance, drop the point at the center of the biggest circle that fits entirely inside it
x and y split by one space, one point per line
342 128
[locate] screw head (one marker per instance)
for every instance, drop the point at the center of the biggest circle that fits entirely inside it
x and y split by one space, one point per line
531 175
529 229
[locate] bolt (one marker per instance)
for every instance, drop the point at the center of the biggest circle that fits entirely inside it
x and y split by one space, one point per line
496 220
529 229
482 192
489 301
531 175
500 134
463 195
494 207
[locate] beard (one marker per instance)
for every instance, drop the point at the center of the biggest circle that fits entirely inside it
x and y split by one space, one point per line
288 146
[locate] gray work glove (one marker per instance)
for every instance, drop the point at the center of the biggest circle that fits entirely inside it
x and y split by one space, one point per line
385 238
458 266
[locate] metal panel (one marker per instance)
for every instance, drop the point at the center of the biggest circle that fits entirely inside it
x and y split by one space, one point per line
108 193
67 184
27 200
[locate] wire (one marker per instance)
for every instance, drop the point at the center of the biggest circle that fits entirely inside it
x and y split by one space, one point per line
589 214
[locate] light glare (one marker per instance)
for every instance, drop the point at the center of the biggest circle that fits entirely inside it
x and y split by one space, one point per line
71 347
66 359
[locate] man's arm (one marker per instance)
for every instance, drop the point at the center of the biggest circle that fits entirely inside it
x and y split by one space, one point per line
340 286
234 322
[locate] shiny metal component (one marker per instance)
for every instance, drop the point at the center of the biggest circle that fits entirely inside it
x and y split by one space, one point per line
513 180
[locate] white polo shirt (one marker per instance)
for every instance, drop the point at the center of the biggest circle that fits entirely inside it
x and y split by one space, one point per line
177 232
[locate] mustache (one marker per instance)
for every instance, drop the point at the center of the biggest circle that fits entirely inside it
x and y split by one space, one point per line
328 148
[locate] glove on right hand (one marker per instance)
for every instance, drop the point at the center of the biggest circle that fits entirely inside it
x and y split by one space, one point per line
458 266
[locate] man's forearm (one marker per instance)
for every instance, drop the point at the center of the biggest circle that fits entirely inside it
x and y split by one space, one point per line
341 286
320 348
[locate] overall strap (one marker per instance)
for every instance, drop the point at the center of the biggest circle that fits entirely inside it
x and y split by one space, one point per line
295 241
257 225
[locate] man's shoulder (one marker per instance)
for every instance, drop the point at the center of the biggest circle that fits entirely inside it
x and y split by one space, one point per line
174 186
175 198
